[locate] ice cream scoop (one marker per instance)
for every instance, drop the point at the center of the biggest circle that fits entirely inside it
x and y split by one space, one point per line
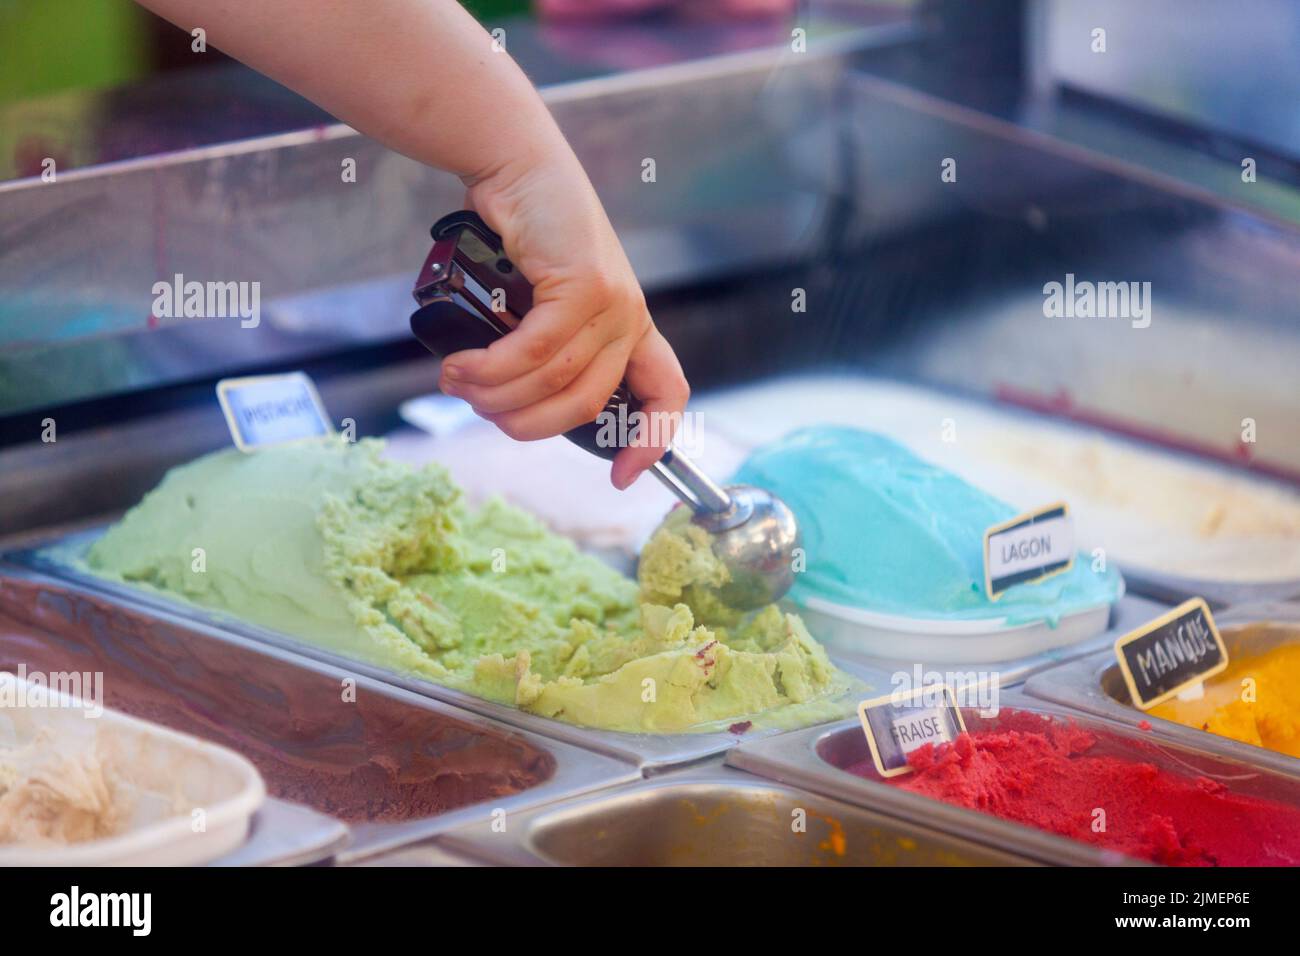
470 295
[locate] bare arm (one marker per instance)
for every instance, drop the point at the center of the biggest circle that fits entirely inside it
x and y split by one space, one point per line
422 77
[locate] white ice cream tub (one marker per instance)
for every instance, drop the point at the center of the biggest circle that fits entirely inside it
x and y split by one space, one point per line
857 631
165 776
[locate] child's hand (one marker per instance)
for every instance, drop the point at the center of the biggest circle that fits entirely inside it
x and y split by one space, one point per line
422 77
588 328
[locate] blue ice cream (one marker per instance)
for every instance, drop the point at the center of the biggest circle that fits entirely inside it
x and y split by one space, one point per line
886 531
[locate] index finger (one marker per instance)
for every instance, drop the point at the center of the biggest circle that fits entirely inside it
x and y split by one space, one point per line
539 336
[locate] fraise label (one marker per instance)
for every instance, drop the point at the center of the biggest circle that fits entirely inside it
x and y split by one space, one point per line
904 721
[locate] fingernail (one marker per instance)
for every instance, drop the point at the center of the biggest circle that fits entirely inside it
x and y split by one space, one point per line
452 371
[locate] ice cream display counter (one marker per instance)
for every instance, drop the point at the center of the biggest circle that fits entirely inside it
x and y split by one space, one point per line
884 249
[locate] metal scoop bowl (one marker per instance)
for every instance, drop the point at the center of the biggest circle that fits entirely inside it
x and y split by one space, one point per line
754 534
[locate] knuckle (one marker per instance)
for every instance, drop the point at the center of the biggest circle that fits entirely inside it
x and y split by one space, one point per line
591 405
603 287
555 377
637 302
620 295
539 348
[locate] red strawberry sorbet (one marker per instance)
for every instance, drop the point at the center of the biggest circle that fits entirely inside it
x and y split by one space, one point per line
1046 774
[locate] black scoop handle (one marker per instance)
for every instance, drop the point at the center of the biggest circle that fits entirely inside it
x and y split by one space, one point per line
457 318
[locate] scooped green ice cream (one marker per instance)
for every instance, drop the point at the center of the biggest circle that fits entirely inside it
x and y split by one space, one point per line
678 564
337 546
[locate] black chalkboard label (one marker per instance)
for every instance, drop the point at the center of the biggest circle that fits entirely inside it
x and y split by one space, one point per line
899 723
1170 654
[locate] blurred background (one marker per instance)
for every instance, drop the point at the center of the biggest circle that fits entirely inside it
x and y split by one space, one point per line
99 44
798 146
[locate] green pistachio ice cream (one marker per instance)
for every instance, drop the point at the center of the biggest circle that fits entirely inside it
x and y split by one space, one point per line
337 546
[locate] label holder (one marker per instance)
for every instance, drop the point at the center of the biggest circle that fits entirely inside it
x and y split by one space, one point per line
229 389
1187 610
1057 510
876 708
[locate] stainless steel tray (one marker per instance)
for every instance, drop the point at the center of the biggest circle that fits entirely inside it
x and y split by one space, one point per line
396 766
421 854
711 816
812 758
286 834
650 752
1127 613
1094 685
1219 594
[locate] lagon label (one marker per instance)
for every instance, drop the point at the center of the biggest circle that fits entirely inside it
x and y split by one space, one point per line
1030 547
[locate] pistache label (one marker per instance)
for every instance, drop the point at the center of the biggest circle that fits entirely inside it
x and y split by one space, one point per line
900 723
272 410
1033 546
1174 652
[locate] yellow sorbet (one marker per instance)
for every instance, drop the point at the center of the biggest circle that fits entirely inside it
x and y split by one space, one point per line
1255 700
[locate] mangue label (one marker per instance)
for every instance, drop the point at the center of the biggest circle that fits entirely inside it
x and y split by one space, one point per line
1176 651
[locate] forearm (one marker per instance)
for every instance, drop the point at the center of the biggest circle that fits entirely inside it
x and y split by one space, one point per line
420 76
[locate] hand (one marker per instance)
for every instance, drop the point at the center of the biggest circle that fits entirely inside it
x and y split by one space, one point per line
589 327
391 64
